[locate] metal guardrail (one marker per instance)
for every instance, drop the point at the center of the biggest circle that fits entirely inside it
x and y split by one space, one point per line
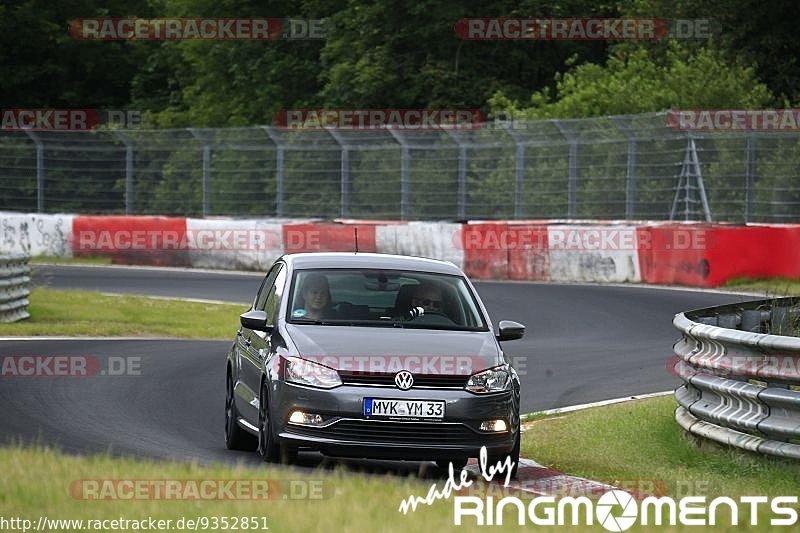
740 365
14 288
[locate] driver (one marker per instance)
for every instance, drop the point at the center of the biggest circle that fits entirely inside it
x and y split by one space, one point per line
428 296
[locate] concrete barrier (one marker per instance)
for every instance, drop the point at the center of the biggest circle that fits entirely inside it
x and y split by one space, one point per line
701 255
135 240
34 234
608 253
239 244
437 240
328 237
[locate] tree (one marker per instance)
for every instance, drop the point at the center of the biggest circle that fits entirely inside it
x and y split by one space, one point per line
639 79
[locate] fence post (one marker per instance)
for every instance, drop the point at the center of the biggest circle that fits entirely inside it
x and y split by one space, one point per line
630 174
572 184
519 169
405 172
206 170
128 171
279 168
344 208
39 170
750 175
462 174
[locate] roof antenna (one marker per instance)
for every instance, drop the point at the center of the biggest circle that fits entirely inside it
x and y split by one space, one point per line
355 230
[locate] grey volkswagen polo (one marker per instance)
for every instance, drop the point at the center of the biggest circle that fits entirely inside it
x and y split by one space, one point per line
372 356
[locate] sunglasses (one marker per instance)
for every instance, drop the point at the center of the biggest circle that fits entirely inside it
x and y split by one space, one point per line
427 302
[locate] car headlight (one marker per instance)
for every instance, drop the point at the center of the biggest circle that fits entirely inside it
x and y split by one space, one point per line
309 373
493 380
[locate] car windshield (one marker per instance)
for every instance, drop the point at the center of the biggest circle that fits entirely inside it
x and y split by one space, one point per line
390 298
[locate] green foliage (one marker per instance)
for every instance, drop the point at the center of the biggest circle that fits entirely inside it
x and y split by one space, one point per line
639 79
382 54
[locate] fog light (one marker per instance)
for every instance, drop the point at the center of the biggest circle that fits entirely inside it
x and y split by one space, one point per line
494 425
308 419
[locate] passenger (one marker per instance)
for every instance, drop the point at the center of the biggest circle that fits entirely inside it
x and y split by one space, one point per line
316 298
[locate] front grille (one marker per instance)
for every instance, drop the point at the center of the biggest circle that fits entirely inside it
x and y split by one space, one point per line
383 379
374 431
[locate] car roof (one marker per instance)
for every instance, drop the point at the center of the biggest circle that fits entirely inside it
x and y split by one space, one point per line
369 260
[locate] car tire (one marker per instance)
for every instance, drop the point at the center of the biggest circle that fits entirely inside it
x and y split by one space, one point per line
288 455
268 447
492 460
458 464
236 438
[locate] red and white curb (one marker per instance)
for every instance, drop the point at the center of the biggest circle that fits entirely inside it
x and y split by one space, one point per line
539 480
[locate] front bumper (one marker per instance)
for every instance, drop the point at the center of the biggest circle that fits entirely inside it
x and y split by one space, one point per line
347 432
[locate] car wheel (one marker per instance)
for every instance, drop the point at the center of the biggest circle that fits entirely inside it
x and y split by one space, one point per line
458 464
235 437
267 446
492 460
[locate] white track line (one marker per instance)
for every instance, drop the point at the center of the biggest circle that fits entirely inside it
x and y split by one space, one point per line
174 298
569 409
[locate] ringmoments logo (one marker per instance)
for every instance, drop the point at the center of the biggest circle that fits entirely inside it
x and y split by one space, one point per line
618 510
615 510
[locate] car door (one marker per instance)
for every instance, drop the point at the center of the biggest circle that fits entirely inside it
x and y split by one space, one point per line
250 347
258 344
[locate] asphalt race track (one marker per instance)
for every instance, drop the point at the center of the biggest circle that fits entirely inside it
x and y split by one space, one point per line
584 343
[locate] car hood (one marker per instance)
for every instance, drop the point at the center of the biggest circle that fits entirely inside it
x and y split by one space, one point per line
393 349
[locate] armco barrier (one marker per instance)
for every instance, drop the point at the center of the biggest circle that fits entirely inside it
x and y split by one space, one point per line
741 373
14 287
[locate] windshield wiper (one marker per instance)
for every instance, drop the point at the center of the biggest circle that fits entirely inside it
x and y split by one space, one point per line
312 322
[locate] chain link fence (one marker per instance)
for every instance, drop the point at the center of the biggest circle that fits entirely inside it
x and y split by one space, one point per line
627 167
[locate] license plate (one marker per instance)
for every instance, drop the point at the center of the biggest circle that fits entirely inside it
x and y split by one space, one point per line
380 407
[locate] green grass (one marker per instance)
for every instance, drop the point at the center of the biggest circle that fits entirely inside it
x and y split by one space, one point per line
37 482
79 313
769 287
640 441
631 441
71 260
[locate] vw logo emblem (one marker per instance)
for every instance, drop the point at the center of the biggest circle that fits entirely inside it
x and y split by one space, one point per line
404 380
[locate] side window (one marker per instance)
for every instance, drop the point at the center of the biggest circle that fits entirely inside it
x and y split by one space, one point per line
274 297
266 287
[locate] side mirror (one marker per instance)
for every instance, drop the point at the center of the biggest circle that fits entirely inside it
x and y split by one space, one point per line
255 320
508 330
